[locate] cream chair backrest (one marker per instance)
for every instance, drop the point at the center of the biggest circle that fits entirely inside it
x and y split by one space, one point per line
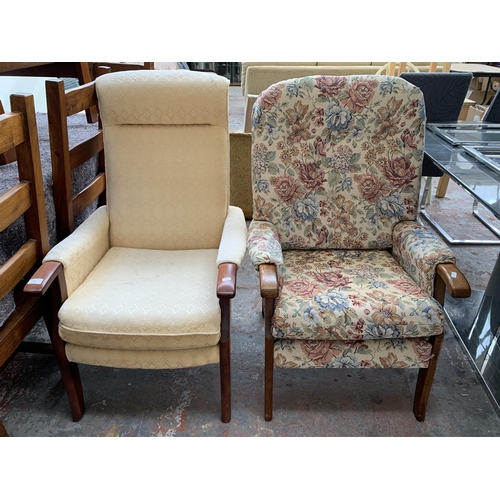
166 144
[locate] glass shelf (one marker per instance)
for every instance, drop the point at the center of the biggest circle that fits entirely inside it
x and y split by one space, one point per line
467 133
487 154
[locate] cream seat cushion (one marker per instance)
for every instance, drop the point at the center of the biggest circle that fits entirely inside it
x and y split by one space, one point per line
137 299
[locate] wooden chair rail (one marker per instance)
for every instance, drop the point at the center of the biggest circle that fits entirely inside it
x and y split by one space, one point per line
13 204
86 149
28 312
17 267
268 281
60 105
88 194
11 131
80 99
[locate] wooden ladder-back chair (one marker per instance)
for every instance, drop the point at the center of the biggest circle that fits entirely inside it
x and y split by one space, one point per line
18 130
62 104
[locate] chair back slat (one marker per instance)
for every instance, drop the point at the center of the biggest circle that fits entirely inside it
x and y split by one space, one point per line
86 150
62 104
88 194
11 131
17 267
13 204
80 98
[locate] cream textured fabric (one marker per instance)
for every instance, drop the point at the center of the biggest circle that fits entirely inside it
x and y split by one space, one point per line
162 97
166 142
142 271
145 300
120 358
165 189
83 249
234 238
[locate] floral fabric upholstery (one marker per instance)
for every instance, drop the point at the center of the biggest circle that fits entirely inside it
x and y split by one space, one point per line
418 251
351 295
384 353
264 244
336 160
336 170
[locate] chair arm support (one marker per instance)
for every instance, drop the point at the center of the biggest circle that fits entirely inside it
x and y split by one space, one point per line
268 276
81 251
43 278
449 277
419 251
226 280
263 244
232 245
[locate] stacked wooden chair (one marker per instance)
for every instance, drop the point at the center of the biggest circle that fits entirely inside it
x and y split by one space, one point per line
18 130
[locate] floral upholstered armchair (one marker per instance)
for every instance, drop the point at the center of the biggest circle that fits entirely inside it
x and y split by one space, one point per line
348 277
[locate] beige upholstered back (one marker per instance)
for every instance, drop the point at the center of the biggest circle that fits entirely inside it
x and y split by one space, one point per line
166 143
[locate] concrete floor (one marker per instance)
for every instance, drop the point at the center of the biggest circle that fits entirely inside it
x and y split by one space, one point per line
185 403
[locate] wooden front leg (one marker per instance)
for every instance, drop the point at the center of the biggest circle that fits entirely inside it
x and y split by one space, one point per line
49 282
269 292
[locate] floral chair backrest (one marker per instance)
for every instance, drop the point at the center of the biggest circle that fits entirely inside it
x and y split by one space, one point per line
336 161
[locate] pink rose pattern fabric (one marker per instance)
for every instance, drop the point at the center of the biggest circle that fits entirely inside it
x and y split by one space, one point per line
351 295
418 250
336 160
263 244
336 176
385 353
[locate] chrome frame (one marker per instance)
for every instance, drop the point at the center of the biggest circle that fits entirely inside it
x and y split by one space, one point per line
437 128
438 228
483 154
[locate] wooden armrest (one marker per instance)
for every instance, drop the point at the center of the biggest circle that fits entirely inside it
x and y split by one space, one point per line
226 280
456 283
449 277
268 281
43 278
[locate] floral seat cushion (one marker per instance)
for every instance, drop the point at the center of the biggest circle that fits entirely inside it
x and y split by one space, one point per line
351 295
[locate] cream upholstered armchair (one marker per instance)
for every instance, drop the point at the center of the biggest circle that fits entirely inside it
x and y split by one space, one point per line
348 278
146 281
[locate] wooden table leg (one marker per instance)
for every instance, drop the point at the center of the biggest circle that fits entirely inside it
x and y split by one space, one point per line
442 186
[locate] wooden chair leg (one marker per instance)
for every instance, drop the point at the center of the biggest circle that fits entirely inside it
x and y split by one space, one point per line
225 360
3 432
69 371
268 360
225 381
425 379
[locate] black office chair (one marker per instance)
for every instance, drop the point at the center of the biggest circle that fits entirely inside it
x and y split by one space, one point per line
444 96
492 114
